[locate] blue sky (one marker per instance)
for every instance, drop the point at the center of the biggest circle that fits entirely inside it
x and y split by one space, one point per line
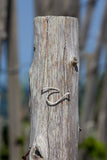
95 26
25 15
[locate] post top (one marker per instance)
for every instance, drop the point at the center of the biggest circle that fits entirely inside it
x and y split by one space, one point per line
59 17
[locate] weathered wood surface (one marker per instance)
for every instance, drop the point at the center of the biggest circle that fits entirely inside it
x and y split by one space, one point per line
54 129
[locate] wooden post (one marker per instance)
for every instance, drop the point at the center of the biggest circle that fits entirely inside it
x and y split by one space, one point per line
54 89
50 7
14 97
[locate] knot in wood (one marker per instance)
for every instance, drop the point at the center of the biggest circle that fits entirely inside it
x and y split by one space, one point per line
74 61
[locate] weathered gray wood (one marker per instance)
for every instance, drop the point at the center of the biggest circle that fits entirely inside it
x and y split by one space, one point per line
54 129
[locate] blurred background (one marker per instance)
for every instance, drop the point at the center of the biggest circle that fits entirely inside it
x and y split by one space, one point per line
16 54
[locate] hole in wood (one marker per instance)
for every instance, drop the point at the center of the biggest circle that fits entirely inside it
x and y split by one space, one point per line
36 155
74 62
76 68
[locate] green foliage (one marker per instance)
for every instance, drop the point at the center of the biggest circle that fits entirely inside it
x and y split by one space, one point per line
4 152
5 134
20 140
94 148
4 148
26 122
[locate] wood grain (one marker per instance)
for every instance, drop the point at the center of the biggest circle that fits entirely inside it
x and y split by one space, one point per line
54 130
